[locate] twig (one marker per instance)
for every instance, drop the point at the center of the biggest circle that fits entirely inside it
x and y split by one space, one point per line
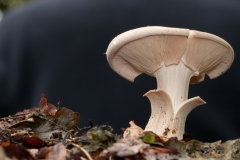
20 133
82 158
83 150
91 124
85 128
59 105
65 138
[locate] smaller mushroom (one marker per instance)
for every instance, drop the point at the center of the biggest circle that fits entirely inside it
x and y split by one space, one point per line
133 130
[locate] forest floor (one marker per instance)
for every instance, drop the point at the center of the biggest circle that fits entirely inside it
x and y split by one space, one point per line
52 132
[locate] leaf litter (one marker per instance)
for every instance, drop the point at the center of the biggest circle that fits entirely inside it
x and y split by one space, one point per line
51 132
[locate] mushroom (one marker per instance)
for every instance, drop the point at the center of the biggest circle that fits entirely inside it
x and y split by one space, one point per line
133 130
176 57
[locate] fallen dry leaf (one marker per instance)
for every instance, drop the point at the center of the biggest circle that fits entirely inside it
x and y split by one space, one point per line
58 152
15 151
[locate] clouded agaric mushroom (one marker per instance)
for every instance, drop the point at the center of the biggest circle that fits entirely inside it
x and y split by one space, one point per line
176 57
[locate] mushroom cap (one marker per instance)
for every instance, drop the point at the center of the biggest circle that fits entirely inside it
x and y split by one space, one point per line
146 49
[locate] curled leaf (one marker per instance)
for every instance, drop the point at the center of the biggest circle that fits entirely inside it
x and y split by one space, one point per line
45 107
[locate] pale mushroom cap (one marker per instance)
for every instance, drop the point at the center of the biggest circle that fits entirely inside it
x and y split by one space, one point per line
146 49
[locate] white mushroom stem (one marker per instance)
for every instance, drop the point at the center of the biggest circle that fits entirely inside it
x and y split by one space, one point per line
161 112
165 120
174 80
181 113
169 103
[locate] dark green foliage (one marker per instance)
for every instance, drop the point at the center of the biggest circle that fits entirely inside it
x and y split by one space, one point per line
98 137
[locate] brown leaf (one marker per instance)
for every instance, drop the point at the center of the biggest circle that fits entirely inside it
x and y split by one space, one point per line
45 107
43 152
6 143
16 151
95 155
58 152
46 127
67 119
33 142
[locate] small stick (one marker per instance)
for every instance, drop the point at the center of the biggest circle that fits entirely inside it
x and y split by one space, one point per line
59 105
83 150
91 124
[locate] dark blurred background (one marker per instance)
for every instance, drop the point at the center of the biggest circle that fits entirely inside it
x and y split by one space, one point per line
57 47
